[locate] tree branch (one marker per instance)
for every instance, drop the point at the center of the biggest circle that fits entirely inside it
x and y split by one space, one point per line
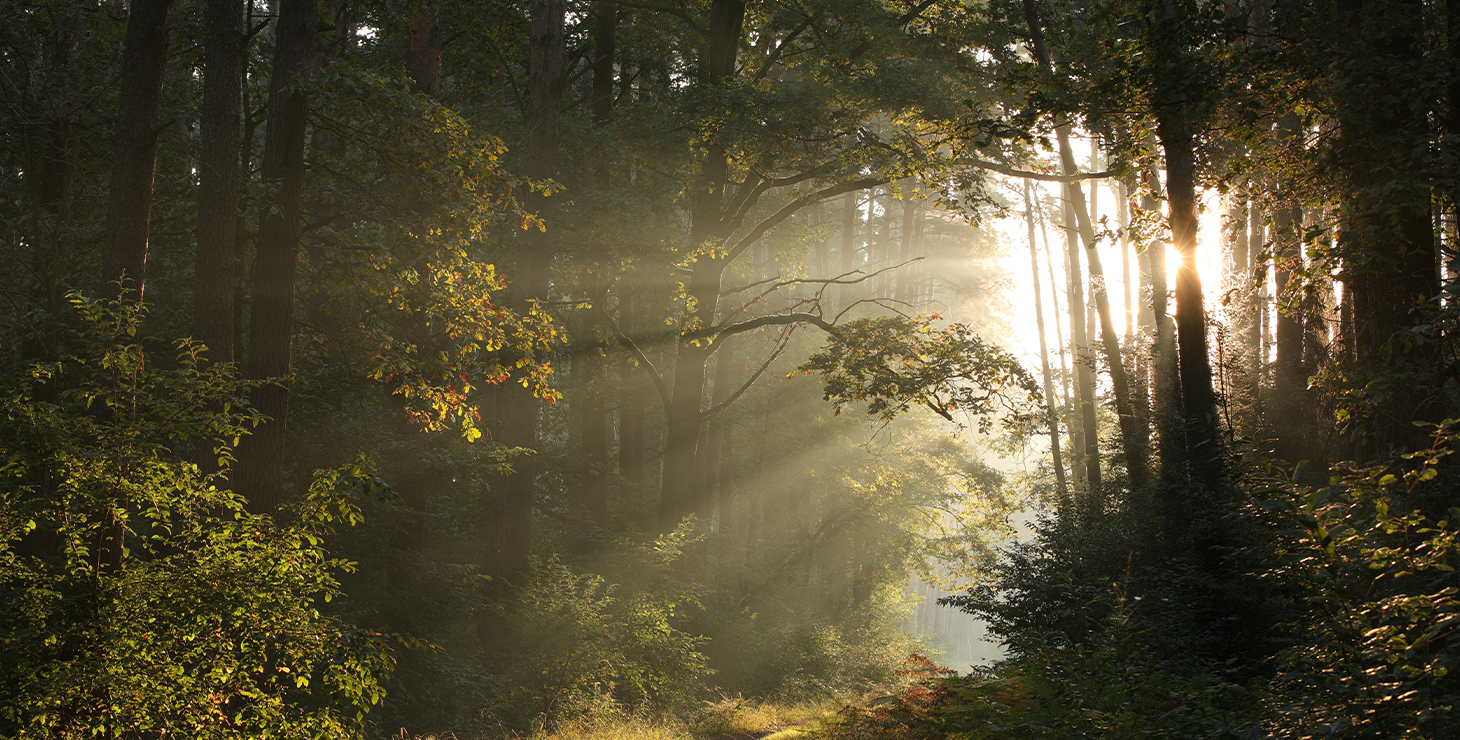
778 319
639 357
789 209
676 12
1004 169
720 407
775 54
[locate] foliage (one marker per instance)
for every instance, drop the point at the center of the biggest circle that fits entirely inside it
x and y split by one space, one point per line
589 644
1376 644
140 597
895 362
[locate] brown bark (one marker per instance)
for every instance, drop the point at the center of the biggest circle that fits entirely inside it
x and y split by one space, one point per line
423 62
509 520
678 493
218 177
1388 240
1203 433
134 163
631 412
260 474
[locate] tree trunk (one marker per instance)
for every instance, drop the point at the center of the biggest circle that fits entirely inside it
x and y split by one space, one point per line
1060 486
1165 382
685 418
631 411
1077 438
1290 381
1255 306
1122 201
1133 437
848 249
1082 360
715 461
509 521
218 177
1383 152
53 181
1203 434
423 62
129 204
260 476
594 416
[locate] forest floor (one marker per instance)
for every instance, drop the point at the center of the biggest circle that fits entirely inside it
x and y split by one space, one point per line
728 719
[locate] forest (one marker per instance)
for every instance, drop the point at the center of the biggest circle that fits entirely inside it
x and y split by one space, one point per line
662 369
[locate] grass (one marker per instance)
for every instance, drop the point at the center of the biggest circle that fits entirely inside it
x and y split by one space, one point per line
728 719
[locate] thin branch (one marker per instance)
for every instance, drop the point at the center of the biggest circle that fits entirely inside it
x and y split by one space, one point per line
778 319
676 12
639 357
915 13
720 407
790 209
1004 169
775 54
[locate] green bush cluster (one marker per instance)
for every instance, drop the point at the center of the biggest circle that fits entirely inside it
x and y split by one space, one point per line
137 598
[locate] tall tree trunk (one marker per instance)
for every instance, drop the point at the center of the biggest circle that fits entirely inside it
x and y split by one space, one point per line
218 176
1290 380
631 414
848 249
1382 153
53 181
1077 438
1165 374
1133 436
715 462
594 415
134 162
260 476
1060 486
423 61
509 520
904 254
1239 283
1203 434
678 492
1082 360
1122 201
1254 302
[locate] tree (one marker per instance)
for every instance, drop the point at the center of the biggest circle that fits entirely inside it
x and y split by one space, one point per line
218 178
208 623
129 209
271 320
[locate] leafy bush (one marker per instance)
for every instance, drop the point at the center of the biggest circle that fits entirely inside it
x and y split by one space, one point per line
602 643
139 597
1377 640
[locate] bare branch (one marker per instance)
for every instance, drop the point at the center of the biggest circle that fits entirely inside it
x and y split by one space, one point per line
778 319
789 209
775 54
639 357
720 407
676 12
1004 169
